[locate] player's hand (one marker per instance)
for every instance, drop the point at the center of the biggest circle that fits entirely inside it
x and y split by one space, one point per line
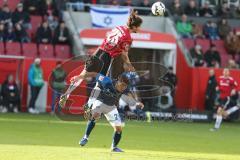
233 92
140 105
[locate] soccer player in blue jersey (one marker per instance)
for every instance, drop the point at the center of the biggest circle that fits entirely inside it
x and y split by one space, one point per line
106 103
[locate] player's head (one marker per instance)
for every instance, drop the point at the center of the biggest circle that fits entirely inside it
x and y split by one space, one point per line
211 72
37 62
122 83
226 72
134 22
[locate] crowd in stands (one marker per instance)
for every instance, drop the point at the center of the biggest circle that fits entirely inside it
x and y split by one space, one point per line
205 10
15 25
212 30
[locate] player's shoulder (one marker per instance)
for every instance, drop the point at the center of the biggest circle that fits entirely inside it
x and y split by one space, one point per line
100 77
103 78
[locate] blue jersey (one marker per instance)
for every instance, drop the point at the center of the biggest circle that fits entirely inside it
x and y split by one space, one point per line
108 94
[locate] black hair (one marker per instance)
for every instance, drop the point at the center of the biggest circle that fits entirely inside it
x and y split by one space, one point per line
123 78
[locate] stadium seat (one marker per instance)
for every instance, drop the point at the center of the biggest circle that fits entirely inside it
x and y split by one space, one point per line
46 51
62 51
30 50
13 48
2 48
204 43
36 22
12 4
189 43
222 50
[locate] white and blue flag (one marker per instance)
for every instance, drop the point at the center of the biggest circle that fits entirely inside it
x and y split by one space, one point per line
109 17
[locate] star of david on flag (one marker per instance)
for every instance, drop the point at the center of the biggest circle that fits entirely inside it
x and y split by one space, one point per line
109 17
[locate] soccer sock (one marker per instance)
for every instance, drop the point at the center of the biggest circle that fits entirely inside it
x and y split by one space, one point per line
231 110
89 128
218 121
116 138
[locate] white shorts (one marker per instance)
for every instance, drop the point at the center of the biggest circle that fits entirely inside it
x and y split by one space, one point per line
110 112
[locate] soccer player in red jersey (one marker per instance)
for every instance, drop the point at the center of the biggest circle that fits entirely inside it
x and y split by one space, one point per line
227 87
116 43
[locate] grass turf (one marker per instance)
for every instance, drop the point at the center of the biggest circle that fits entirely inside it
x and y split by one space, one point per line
43 137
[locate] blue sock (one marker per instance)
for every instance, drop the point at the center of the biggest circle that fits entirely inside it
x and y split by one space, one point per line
116 138
89 128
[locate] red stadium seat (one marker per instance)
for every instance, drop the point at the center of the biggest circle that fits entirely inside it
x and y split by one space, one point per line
62 51
12 4
30 50
222 50
2 48
46 51
220 46
204 43
13 48
189 43
36 22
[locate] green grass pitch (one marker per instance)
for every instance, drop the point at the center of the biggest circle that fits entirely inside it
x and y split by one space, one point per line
45 137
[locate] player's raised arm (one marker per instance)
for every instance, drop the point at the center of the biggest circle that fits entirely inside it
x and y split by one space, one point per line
126 62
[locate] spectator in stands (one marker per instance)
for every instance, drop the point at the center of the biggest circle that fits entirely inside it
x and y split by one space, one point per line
232 42
176 8
44 34
52 21
232 64
236 13
210 91
11 94
184 27
212 57
50 13
22 17
197 55
2 32
211 30
191 9
225 11
31 6
197 31
145 4
127 3
61 34
21 34
58 83
6 16
114 3
48 7
223 28
206 11
36 82
10 35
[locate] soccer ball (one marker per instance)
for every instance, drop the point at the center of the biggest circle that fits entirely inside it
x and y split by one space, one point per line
158 9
